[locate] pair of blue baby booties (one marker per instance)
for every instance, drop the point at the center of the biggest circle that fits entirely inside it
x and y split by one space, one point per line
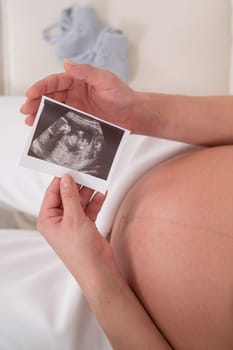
80 36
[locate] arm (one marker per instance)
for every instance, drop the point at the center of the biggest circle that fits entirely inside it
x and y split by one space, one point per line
120 314
206 120
89 257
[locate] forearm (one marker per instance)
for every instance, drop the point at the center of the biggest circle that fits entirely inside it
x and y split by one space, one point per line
191 119
120 314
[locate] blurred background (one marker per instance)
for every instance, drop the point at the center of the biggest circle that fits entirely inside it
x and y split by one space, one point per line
181 46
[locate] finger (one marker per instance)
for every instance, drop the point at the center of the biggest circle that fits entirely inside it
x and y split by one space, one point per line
88 73
72 207
49 85
52 198
30 119
95 205
30 106
85 196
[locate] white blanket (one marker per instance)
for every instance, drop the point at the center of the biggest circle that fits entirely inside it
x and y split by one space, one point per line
41 305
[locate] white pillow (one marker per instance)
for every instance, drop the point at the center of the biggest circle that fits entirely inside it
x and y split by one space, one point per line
175 46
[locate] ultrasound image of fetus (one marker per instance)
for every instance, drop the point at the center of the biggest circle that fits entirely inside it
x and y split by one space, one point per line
72 141
43 145
79 149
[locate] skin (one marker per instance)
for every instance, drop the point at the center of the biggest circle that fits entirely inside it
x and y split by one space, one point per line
165 279
173 241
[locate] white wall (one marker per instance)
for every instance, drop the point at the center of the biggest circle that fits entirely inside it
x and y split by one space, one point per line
180 46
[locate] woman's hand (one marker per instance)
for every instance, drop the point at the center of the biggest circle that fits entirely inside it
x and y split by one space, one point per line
67 221
92 90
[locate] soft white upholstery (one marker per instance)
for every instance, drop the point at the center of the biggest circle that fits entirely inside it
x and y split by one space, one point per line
176 46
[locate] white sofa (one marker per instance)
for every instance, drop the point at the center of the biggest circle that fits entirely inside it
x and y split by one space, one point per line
181 46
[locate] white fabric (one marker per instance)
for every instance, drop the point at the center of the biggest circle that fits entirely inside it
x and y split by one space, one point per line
175 46
42 305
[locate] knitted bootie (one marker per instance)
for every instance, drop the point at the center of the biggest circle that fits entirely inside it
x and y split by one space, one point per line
56 31
82 34
110 52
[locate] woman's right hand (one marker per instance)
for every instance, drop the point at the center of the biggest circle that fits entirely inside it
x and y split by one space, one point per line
92 90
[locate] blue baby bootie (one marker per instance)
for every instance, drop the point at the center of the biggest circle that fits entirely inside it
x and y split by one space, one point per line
82 34
110 52
55 31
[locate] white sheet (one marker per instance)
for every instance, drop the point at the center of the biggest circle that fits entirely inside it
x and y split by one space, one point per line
41 305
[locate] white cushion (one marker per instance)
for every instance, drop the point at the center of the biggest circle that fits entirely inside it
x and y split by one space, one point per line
175 46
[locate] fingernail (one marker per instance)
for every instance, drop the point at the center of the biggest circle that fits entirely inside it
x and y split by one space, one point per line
69 62
27 93
66 180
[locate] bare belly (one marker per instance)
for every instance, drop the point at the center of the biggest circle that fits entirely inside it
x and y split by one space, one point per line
173 241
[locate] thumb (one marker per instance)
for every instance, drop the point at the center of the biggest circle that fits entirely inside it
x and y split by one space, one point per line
72 209
88 73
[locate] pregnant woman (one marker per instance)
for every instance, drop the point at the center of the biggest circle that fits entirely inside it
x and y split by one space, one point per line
164 278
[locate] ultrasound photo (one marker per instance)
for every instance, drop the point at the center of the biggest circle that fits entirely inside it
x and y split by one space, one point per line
68 138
